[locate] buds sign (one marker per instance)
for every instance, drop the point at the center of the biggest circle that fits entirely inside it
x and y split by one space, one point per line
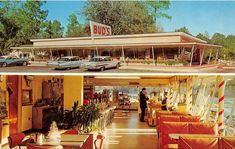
98 29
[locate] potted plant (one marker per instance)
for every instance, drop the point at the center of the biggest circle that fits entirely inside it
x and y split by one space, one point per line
82 117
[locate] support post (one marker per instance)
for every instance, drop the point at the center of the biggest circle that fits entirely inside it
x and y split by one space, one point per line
83 55
191 61
163 53
216 56
153 56
33 52
179 52
209 57
202 55
182 52
221 88
71 51
97 52
123 55
134 54
189 99
50 53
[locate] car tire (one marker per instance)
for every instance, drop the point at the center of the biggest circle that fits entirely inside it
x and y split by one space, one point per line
24 64
4 65
102 69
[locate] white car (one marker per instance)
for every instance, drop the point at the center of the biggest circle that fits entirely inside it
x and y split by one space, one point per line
67 62
101 63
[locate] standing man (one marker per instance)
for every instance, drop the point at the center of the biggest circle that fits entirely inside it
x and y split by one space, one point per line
143 103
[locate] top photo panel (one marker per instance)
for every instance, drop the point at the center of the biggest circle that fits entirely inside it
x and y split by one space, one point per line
117 36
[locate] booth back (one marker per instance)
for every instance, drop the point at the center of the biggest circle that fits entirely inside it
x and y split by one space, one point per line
202 128
167 118
175 118
187 118
196 142
167 128
228 143
171 127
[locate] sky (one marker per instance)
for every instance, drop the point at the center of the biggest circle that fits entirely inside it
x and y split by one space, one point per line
197 16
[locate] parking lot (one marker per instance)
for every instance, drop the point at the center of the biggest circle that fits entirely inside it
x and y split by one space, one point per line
45 69
122 69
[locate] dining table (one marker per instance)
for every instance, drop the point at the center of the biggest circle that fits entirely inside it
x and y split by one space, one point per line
66 141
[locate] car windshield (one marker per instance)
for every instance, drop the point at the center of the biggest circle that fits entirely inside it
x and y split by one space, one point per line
63 59
96 60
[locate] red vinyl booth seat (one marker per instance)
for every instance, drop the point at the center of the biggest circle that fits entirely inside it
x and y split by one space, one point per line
171 127
198 142
167 118
158 113
71 132
187 118
228 143
176 118
202 128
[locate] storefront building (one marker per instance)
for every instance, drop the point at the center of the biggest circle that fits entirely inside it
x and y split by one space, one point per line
138 48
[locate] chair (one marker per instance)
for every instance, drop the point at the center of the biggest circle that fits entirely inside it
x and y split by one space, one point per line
101 138
17 139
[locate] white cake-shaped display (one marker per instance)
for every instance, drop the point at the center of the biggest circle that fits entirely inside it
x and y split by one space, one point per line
54 134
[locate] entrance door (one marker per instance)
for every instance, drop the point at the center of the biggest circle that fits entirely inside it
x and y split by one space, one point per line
12 88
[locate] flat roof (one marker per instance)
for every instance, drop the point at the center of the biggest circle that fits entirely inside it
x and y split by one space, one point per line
124 36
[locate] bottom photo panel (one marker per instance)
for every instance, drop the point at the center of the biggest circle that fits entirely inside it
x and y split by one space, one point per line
117 112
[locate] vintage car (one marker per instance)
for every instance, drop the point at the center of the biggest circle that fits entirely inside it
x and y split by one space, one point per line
13 61
67 62
101 63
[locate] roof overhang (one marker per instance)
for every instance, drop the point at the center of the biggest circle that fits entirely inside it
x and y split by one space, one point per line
165 34
140 45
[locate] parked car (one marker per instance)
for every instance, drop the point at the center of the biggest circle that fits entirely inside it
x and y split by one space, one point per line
101 63
67 62
13 61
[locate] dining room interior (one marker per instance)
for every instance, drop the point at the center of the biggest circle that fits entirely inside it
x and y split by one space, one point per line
70 111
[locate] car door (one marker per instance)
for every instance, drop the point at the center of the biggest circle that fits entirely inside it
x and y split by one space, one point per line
105 62
77 62
111 63
11 61
70 63
66 63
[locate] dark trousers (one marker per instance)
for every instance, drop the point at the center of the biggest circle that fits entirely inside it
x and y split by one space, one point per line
142 113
